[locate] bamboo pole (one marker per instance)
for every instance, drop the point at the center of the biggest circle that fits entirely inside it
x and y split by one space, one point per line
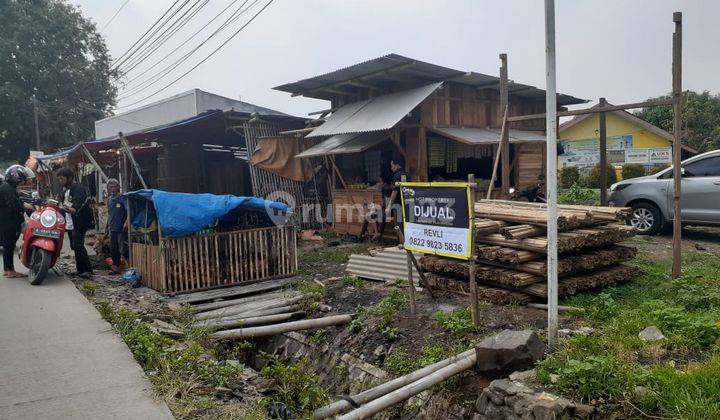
407 391
387 387
497 154
254 320
248 308
269 330
255 298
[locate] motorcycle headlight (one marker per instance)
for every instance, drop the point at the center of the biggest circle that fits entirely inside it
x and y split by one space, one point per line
48 218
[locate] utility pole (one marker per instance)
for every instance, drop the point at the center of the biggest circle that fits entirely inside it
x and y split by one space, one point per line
677 145
37 126
551 176
603 155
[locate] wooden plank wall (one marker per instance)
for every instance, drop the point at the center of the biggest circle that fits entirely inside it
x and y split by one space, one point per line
345 221
456 105
146 258
530 159
207 261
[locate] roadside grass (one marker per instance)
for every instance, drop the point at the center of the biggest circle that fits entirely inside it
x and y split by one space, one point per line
386 310
677 377
298 386
180 373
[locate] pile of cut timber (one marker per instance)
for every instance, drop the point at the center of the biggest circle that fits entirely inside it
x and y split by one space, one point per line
512 246
258 310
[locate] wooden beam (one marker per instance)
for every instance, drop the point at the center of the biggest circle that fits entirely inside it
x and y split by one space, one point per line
610 108
355 79
92 160
504 137
603 155
497 156
677 144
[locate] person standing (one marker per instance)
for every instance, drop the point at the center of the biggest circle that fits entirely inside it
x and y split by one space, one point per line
77 206
11 216
397 166
116 226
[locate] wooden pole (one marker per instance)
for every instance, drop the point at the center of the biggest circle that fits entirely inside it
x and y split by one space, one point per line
584 111
497 154
422 280
408 258
133 162
677 145
603 155
387 387
402 394
92 160
551 176
474 308
504 137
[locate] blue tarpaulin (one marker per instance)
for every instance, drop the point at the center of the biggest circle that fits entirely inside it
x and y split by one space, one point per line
182 214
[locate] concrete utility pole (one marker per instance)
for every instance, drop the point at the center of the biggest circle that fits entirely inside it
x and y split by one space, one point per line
551 176
677 145
603 155
37 126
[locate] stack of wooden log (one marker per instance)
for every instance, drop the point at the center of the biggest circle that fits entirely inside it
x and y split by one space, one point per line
257 310
512 246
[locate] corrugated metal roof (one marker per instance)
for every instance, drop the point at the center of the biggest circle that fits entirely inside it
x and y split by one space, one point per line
487 135
345 143
391 69
388 265
378 113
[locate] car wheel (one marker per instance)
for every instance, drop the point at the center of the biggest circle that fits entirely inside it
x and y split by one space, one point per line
646 218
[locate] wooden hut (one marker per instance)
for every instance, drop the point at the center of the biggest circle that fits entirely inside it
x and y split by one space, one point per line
445 123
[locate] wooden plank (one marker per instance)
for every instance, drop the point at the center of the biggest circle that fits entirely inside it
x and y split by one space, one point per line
232 291
609 108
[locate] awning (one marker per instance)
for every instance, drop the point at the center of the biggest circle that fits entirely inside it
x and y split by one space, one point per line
374 114
476 136
345 143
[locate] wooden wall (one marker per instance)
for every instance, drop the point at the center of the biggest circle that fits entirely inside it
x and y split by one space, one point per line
456 105
531 163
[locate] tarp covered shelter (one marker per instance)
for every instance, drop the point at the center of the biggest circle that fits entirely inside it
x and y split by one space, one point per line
182 214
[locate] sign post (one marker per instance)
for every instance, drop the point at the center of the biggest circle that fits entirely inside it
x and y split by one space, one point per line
438 220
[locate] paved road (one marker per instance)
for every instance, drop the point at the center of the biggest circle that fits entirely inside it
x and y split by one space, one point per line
60 360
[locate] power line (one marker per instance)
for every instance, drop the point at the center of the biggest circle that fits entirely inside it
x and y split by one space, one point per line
204 59
160 41
151 37
114 16
174 65
184 42
137 41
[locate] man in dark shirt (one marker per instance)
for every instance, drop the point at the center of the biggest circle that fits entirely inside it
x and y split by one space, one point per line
82 219
116 225
393 208
11 216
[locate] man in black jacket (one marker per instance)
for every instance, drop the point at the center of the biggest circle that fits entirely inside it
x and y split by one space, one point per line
11 216
77 205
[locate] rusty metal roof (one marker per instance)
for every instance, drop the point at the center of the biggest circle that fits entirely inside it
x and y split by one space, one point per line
392 70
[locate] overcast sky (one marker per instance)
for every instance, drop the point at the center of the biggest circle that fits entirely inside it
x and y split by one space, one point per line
613 48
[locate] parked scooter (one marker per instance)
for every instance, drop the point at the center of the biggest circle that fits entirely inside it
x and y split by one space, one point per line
42 239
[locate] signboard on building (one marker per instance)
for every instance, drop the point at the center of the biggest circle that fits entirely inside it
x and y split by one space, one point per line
640 156
660 155
437 218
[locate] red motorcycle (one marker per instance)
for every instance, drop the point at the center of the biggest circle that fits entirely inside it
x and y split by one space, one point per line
42 240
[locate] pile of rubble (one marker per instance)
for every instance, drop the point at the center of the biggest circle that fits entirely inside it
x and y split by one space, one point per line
512 247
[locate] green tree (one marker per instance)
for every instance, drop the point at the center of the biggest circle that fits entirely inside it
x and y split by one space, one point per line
49 50
700 119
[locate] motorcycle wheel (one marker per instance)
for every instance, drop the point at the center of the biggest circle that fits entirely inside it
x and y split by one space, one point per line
39 266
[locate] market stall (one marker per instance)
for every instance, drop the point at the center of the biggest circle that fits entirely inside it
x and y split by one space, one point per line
184 242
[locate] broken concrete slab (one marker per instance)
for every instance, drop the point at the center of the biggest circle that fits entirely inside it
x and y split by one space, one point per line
507 352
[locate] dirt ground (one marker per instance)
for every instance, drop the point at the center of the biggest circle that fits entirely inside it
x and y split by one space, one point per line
694 239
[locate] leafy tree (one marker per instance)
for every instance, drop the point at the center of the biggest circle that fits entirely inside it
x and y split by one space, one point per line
700 119
48 49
